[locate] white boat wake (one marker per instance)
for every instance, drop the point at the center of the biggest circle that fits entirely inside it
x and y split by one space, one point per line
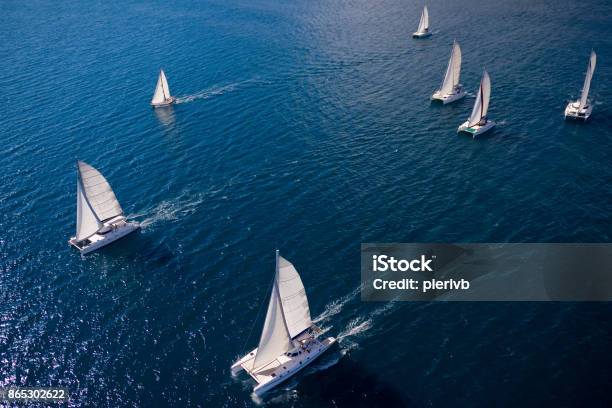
346 338
213 91
360 325
207 93
356 326
335 307
170 210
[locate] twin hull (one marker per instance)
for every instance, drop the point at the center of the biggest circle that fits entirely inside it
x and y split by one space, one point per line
421 35
283 367
572 111
448 98
165 103
97 241
476 129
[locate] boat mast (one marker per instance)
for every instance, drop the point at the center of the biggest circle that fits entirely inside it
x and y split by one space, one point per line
481 99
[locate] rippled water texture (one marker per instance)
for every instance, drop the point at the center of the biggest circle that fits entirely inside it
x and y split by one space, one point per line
305 126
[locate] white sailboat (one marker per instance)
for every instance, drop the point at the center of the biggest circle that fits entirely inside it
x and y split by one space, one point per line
451 90
161 96
100 219
582 108
289 340
478 122
423 29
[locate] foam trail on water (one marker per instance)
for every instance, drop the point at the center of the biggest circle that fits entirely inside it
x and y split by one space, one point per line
360 325
207 93
335 307
355 326
170 210
213 91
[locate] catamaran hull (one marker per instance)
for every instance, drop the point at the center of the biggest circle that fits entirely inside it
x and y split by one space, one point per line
448 98
475 130
572 111
100 240
292 367
421 35
165 103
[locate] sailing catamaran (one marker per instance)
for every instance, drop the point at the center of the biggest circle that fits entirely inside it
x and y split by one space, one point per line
100 219
582 108
451 90
478 122
289 340
162 96
423 30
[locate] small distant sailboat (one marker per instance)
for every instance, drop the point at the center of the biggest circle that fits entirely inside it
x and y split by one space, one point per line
289 340
451 90
478 122
423 30
162 96
582 108
100 219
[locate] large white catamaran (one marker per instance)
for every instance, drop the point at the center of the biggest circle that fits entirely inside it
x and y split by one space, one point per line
451 90
478 122
289 340
161 96
100 219
582 108
423 29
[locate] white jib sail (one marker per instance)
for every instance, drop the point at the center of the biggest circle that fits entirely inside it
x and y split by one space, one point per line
293 298
481 106
162 91
453 71
587 80
424 22
275 339
99 193
87 222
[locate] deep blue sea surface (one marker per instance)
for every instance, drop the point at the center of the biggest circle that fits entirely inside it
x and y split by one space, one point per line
304 126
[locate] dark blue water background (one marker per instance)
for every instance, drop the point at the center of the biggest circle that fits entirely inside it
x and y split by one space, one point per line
305 126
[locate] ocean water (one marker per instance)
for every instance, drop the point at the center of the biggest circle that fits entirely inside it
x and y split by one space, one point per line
304 126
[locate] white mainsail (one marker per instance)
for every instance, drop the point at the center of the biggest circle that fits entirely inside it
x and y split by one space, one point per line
275 339
453 71
98 193
87 222
587 80
424 22
162 91
481 106
293 298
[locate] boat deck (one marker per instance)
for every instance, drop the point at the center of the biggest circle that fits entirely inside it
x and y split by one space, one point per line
287 364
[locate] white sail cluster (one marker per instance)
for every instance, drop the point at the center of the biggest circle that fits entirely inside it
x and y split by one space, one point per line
453 71
96 201
162 91
481 105
424 22
587 80
288 314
